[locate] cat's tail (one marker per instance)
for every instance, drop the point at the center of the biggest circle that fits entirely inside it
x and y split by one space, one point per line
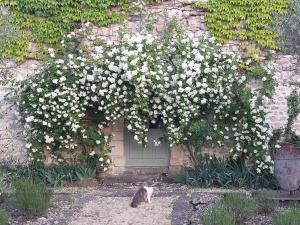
133 204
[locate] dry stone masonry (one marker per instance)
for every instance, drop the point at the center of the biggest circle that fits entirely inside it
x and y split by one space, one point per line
286 71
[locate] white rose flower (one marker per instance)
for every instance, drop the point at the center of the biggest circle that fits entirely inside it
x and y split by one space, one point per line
28 145
90 77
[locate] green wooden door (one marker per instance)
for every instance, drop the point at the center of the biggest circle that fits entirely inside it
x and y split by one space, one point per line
151 156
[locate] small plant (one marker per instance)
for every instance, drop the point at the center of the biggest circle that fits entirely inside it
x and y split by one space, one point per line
287 135
32 198
85 173
217 217
293 112
221 173
264 202
291 217
3 217
55 175
239 205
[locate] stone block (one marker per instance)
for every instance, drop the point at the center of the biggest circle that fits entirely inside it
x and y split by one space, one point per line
118 161
117 148
118 136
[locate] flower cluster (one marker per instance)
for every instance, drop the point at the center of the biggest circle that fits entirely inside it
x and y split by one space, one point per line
144 80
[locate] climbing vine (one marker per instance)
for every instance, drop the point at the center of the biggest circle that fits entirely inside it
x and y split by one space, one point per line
248 21
13 44
46 21
173 82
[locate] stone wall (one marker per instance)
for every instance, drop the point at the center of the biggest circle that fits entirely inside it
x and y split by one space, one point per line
12 146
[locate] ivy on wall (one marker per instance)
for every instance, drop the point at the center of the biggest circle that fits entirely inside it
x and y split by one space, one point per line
245 20
46 21
12 42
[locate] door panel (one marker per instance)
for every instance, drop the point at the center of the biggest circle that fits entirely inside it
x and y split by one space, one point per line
152 155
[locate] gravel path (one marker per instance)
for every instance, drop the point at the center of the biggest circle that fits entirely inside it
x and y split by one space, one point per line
116 211
109 205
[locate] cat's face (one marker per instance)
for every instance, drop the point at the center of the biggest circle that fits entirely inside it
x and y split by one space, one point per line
148 183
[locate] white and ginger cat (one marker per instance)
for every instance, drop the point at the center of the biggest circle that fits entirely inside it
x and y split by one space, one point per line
142 195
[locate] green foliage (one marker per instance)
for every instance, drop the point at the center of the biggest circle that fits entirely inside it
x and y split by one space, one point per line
220 173
85 173
239 205
3 217
200 4
199 131
289 27
245 20
287 135
47 21
290 217
33 199
265 203
217 216
268 81
56 103
56 175
13 43
293 102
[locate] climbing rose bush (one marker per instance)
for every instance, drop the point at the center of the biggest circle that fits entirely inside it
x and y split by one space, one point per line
142 78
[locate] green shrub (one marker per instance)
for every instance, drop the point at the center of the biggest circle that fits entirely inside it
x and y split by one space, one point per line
217 217
3 217
239 205
56 175
85 173
291 217
226 174
33 199
264 202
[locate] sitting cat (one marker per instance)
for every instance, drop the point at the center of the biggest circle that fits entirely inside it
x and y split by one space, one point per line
142 195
